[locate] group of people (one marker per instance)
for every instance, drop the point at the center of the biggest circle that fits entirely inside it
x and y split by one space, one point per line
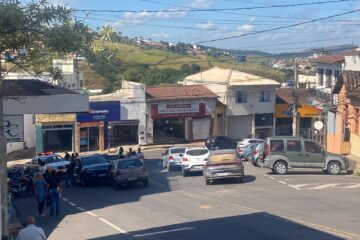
131 153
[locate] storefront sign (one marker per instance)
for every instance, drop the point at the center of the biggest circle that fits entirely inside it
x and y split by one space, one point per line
14 128
101 111
286 111
172 110
55 118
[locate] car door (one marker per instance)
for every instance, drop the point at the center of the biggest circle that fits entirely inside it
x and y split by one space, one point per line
314 155
294 152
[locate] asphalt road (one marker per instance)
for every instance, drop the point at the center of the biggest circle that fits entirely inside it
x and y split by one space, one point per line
299 205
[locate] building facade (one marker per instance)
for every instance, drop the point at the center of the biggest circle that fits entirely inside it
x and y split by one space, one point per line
249 100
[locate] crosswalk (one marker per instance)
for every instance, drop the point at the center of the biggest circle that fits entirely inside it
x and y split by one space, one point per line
314 186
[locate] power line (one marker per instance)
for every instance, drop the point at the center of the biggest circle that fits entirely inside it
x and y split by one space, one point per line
278 28
213 9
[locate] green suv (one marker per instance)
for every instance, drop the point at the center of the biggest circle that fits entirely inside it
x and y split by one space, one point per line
283 153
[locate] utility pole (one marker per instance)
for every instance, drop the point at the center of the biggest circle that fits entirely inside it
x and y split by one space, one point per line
3 166
295 122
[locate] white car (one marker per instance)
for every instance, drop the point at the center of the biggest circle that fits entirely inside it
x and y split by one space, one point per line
194 160
172 157
247 141
56 162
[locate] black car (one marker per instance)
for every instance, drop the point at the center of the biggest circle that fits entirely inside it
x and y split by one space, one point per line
220 142
91 169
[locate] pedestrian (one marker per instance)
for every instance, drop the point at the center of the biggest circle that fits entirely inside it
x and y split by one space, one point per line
140 155
31 231
69 178
54 189
40 192
67 156
121 152
130 152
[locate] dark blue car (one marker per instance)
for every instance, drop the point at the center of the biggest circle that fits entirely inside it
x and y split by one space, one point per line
91 169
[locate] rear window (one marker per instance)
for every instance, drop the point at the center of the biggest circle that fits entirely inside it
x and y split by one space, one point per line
178 150
131 163
276 145
222 158
197 152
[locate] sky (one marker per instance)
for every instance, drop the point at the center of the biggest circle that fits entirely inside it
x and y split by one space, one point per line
157 20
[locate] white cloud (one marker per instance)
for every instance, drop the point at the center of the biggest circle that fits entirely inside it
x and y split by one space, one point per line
207 25
160 35
245 28
201 3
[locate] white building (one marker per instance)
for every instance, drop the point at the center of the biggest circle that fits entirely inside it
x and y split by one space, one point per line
250 100
132 124
72 78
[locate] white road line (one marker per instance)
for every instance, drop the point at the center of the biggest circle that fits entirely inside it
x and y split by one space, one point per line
72 204
65 199
299 186
271 177
91 213
330 185
81 209
282 182
161 232
113 226
353 186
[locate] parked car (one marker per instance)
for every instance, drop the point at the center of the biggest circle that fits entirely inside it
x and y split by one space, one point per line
110 157
89 169
194 160
127 170
220 142
283 153
257 156
42 160
247 141
223 164
172 157
246 151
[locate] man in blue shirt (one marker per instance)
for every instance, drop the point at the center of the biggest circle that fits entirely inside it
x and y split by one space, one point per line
31 232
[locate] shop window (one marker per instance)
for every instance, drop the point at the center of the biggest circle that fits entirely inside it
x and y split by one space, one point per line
312 147
276 145
241 97
265 96
293 145
264 119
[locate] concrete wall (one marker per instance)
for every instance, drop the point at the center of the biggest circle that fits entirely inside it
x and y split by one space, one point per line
29 131
352 63
13 146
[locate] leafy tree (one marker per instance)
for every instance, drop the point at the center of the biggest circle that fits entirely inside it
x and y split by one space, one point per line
195 68
185 69
108 33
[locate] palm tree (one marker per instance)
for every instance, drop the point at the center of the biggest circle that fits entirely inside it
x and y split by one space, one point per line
107 33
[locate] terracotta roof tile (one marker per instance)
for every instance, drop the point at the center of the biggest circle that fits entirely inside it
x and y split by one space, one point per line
287 95
334 58
351 80
178 92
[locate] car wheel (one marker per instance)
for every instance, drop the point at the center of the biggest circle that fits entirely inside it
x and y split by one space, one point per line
184 173
169 168
280 168
164 165
83 182
207 182
334 168
146 183
258 163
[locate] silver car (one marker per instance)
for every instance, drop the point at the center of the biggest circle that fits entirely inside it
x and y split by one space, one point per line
172 157
223 164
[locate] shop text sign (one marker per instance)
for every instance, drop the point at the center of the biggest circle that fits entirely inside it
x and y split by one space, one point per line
101 111
286 111
170 110
14 128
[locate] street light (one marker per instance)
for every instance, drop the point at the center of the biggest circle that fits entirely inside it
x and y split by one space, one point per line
109 131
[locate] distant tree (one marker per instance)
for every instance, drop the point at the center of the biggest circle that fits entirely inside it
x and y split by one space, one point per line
195 68
185 69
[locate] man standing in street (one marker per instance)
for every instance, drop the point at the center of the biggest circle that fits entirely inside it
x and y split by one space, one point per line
31 232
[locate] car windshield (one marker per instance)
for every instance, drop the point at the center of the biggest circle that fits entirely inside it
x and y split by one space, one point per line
52 159
178 150
131 163
92 160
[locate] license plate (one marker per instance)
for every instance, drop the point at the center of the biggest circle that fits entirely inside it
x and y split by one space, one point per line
132 179
198 167
222 174
102 175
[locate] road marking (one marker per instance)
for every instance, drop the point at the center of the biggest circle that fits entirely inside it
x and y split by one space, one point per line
353 186
91 213
272 178
161 232
298 186
81 209
282 182
113 226
65 199
332 185
72 204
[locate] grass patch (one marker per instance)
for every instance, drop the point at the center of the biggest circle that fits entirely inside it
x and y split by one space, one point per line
357 173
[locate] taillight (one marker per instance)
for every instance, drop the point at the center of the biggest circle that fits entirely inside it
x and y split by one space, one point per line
117 172
267 150
170 158
185 159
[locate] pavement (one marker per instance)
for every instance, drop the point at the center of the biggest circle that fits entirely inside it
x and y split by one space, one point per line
300 205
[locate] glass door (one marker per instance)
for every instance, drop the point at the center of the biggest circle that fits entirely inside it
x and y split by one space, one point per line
93 138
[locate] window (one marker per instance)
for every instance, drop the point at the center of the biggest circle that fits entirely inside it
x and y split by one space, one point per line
265 119
241 97
312 147
276 145
265 96
178 150
81 83
320 76
357 116
293 145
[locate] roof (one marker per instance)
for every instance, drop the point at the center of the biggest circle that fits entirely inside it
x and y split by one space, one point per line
351 79
31 87
178 92
218 75
334 58
287 95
